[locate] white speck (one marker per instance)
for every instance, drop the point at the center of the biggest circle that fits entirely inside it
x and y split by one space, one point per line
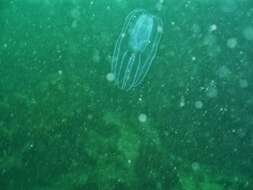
232 43
123 35
248 33
193 58
159 5
110 77
195 166
211 90
223 109
60 72
243 83
142 118
31 145
108 8
129 161
213 27
182 102
198 104
160 29
5 45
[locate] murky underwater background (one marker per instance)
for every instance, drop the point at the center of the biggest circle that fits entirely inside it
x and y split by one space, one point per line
64 126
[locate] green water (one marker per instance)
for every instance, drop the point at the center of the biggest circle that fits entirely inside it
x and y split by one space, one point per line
64 126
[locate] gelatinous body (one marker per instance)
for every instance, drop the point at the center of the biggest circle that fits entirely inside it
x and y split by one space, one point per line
136 48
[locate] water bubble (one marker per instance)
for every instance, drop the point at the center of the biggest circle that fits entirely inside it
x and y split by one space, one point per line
211 90
108 8
198 104
60 72
243 83
160 29
232 43
123 35
110 77
213 27
159 5
182 102
195 166
142 118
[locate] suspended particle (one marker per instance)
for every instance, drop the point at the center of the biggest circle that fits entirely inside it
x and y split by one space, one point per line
110 77
142 118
